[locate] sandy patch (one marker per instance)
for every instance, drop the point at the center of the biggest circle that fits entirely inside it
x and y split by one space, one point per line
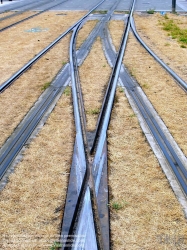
144 211
32 203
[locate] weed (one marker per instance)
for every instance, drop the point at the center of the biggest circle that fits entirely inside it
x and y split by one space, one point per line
166 17
67 91
183 46
104 65
63 63
175 31
56 245
132 115
100 12
166 44
120 89
93 111
46 85
118 205
150 11
145 86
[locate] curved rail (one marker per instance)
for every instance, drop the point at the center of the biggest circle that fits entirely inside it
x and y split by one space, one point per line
7 83
89 175
27 18
104 115
166 67
156 130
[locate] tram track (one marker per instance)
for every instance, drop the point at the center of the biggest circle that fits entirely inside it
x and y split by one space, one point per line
87 195
11 148
156 127
32 16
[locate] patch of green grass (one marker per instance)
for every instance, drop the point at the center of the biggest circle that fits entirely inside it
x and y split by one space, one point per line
120 89
132 115
116 205
150 11
67 91
56 246
166 44
183 46
46 85
100 12
166 16
93 111
145 86
175 31
63 63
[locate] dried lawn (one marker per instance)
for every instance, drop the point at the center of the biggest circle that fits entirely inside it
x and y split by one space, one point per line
116 29
169 100
167 97
83 33
150 217
18 46
17 100
94 76
168 49
17 18
32 203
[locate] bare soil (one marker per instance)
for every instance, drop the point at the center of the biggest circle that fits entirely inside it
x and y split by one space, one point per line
32 203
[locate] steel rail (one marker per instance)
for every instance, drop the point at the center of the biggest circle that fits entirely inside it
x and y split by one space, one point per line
93 175
107 104
17 13
182 83
7 83
12 147
157 132
19 6
27 18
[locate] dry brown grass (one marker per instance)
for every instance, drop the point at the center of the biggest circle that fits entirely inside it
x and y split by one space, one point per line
94 76
19 46
16 101
165 47
32 203
83 33
12 20
150 211
167 97
116 29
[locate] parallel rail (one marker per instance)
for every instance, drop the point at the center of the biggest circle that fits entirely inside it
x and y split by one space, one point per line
27 18
8 82
88 178
13 146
